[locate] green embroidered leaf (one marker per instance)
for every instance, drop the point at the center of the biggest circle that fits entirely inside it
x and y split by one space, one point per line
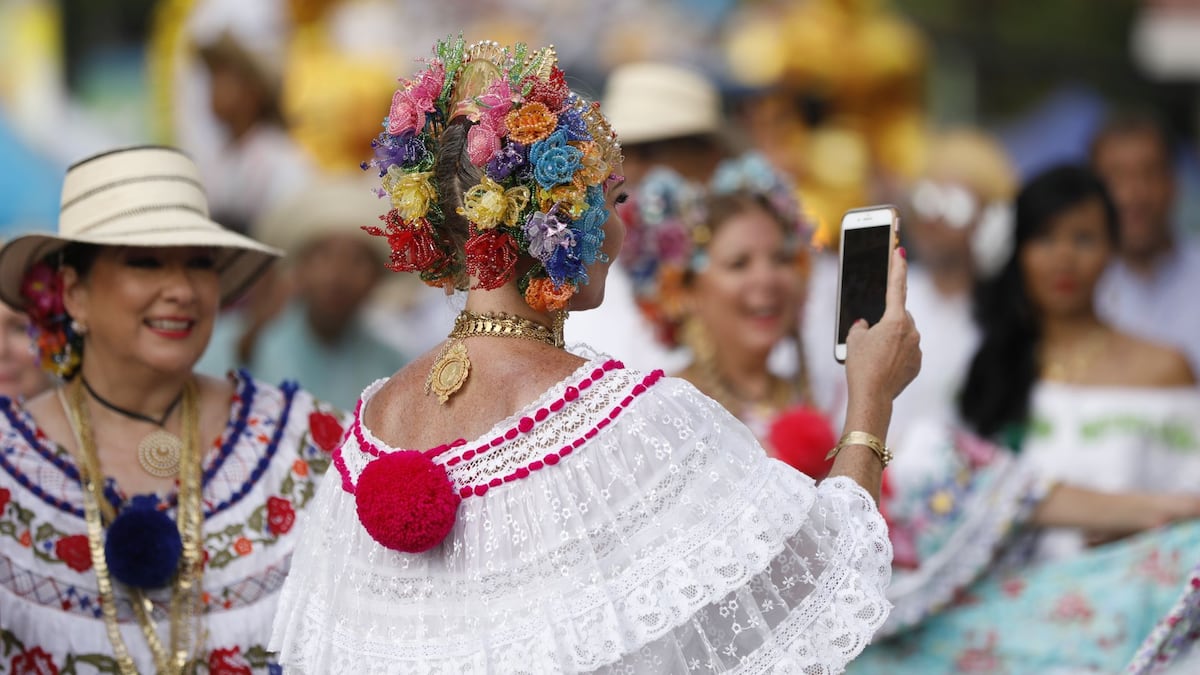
101 662
46 531
8 529
319 464
23 515
288 485
10 642
258 656
255 521
221 559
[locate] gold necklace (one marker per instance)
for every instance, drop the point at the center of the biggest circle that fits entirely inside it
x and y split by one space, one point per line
160 450
452 365
1078 360
185 594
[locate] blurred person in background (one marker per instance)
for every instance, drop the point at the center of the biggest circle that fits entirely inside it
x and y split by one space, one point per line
666 115
1151 287
1058 524
959 230
20 376
333 267
148 514
721 272
258 165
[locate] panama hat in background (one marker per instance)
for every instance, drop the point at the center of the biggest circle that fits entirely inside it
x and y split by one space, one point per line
653 101
339 204
138 196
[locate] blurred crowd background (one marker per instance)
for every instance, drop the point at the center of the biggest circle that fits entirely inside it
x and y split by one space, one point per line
858 100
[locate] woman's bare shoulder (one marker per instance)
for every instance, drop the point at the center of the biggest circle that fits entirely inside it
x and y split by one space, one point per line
1153 364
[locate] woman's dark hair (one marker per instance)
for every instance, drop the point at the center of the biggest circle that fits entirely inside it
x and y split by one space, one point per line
79 256
995 397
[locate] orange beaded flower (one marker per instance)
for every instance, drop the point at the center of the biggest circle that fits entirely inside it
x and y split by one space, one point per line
530 122
543 296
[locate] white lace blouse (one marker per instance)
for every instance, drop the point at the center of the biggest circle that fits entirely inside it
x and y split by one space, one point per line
623 522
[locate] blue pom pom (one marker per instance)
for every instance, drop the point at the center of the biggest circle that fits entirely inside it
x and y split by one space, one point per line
143 547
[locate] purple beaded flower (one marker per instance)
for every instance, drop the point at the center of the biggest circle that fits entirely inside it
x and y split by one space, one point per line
507 161
546 233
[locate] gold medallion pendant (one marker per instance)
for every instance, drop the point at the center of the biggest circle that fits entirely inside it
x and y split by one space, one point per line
449 372
159 453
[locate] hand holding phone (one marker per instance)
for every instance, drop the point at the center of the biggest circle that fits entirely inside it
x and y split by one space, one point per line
868 237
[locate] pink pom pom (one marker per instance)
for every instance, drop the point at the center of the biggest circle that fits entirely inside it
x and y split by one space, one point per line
802 437
406 502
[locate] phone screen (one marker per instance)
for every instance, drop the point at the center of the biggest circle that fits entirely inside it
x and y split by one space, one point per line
864 276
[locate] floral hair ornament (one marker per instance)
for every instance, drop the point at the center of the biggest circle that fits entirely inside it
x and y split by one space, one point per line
668 230
58 344
544 154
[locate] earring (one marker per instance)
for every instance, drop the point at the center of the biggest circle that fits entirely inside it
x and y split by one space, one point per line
78 328
695 337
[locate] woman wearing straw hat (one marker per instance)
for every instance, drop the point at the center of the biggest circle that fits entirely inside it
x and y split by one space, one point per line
147 514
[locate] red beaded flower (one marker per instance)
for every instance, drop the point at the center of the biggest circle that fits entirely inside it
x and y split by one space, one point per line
491 257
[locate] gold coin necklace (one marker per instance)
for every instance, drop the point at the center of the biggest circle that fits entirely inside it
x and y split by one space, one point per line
159 451
452 365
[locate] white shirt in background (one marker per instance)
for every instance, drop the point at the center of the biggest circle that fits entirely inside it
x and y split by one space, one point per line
1163 306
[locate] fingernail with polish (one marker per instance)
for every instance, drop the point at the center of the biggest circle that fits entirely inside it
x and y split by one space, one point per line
903 253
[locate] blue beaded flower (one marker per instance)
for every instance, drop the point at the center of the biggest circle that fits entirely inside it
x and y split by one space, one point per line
554 162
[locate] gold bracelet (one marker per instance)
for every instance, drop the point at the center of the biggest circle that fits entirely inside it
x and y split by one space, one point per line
868 440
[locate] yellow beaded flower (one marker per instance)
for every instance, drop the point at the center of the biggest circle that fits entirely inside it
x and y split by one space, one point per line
571 197
489 204
412 193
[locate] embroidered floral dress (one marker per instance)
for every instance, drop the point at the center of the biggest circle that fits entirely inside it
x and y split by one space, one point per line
623 522
258 481
978 590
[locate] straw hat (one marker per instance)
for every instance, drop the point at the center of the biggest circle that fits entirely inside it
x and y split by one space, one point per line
140 196
646 102
328 205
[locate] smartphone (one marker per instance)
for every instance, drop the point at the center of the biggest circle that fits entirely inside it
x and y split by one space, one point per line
868 236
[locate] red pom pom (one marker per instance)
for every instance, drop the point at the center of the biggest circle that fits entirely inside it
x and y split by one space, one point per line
802 437
406 502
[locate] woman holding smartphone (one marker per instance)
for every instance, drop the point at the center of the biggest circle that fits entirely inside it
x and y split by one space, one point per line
1074 436
570 514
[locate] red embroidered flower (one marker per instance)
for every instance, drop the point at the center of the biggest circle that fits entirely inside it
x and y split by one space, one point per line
228 662
243 546
280 515
33 662
491 258
73 550
325 429
26 539
5 496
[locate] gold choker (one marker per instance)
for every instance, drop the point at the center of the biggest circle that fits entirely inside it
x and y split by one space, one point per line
453 366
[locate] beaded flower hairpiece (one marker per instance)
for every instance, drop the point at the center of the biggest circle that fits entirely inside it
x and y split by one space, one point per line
545 155
667 231
59 346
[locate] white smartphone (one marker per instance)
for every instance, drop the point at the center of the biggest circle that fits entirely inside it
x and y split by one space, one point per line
868 236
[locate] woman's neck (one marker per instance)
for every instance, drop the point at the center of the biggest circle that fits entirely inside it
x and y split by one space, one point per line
506 300
135 389
744 375
1069 329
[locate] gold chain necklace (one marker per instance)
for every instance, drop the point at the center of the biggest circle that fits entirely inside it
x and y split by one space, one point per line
185 593
1076 363
452 365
